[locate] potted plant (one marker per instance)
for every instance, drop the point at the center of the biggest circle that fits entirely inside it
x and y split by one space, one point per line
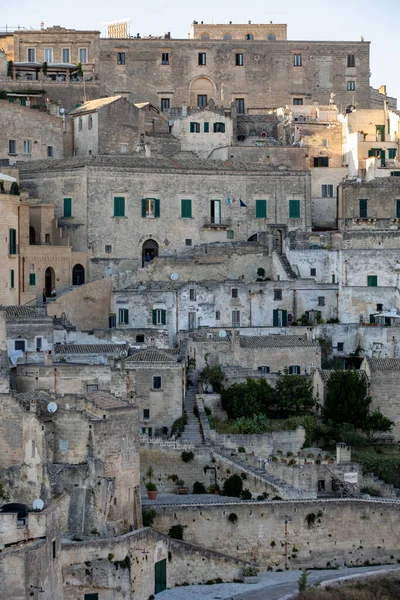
180 487
214 489
250 575
150 486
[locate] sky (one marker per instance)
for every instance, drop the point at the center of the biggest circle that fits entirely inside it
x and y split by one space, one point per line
377 21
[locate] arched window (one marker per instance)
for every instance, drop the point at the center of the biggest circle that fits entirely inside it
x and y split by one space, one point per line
78 275
205 36
149 251
49 281
227 36
249 36
271 37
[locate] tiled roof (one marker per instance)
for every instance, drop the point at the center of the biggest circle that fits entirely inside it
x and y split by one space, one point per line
274 341
22 311
203 336
89 348
378 182
105 401
154 355
139 163
93 105
384 364
325 374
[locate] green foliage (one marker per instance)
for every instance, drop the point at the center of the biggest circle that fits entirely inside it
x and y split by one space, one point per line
246 495
248 399
212 376
303 584
148 517
4 495
233 486
198 488
80 70
241 449
178 426
310 518
329 433
294 395
375 422
176 532
124 563
385 467
347 399
251 426
110 557
250 572
233 518
10 68
148 479
187 456
309 422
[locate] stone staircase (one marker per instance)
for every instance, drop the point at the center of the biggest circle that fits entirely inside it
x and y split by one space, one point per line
287 267
192 433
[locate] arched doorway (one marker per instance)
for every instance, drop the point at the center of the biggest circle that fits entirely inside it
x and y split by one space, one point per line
32 235
278 241
149 251
253 238
49 281
78 275
202 90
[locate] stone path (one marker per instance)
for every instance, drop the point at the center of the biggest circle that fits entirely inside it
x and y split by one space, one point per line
175 499
273 585
192 434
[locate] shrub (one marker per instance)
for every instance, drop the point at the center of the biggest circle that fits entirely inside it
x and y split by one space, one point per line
187 456
303 581
148 517
212 376
233 486
250 572
198 488
241 449
246 495
233 518
178 426
310 518
176 532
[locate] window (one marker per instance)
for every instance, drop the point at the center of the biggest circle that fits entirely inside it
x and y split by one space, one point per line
363 209
192 294
219 127
192 321
394 173
351 60
325 143
64 445
239 59
326 191
279 318
294 209
33 448
234 293
397 209
297 60
146 412
333 278
215 212
217 315
164 104
230 234
31 54
201 100
112 321
277 294
120 58
321 161
271 37
90 122
49 151
340 346
80 124
123 148
165 58
159 316
379 307
392 153
372 280
32 278
119 206
150 208
261 209
297 101
83 56
156 383
67 207
54 550
206 128
249 36
202 59
91 597
47 238
92 388
19 345
12 279
48 55
227 37
313 272
240 106
186 209
236 318
27 147
294 370
264 369
194 127
13 241
321 300
188 242
351 86
39 343
12 147
123 316
108 248
66 55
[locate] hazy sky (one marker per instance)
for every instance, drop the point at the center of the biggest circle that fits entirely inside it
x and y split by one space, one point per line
377 21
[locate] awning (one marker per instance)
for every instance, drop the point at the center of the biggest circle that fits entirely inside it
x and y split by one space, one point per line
4 177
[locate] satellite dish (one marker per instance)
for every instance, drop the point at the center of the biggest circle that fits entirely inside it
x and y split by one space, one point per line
174 276
52 407
222 333
38 504
123 354
62 111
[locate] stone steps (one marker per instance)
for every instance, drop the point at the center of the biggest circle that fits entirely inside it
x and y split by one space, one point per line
192 433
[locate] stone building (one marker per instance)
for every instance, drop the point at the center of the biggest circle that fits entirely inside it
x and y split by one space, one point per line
238 31
383 384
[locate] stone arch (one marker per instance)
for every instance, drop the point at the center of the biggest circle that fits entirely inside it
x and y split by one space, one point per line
227 36
149 251
202 86
49 281
249 36
205 36
253 238
271 37
78 275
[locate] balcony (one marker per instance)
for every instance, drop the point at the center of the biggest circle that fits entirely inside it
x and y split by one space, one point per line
215 223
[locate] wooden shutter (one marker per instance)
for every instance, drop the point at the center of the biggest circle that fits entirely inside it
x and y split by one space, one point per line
119 206
144 208
186 209
284 318
294 209
156 208
275 318
67 207
206 127
32 278
13 241
154 317
261 209
163 317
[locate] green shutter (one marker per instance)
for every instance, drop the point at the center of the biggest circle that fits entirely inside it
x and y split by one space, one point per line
11 278
163 317
126 316
206 127
261 209
294 209
156 208
186 209
154 317
275 319
13 241
284 318
370 153
32 279
392 153
144 208
372 280
397 209
160 576
119 206
371 319
67 207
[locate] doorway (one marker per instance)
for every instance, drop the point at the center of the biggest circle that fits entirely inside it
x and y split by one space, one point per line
78 275
278 241
149 251
32 236
215 212
160 575
49 281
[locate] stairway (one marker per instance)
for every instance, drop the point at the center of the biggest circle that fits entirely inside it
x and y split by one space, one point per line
192 434
287 267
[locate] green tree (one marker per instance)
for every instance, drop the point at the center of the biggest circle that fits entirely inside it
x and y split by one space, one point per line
294 395
347 399
375 422
212 376
248 399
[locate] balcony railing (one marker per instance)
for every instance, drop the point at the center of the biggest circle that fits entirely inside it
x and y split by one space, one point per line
215 223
